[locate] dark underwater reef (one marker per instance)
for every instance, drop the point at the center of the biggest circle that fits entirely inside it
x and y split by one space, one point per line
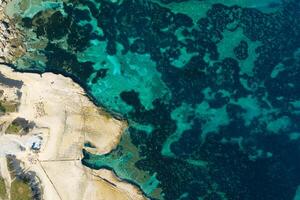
233 111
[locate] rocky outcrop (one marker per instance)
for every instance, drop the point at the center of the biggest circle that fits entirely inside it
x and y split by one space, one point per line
11 46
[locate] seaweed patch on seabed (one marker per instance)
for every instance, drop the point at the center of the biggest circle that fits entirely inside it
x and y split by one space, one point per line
213 102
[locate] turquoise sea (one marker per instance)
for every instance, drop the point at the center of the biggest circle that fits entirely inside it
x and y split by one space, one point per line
210 88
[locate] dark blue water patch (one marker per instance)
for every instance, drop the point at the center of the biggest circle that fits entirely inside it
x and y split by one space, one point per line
260 177
233 134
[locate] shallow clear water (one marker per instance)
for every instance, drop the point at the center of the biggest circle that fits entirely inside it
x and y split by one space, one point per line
210 88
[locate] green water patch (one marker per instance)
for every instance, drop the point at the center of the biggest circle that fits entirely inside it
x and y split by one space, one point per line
212 119
147 128
297 195
294 136
254 109
277 69
125 166
198 9
194 8
133 72
251 107
229 45
181 116
296 104
183 59
279 124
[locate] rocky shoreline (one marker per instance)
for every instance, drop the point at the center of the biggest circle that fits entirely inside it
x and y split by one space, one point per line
64 121
59 150
11 45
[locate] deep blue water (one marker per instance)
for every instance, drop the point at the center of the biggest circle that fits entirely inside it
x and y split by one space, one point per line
211 89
